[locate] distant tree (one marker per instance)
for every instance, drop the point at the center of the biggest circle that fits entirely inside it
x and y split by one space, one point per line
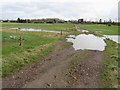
25 21
18 20
22 21
100 21
110 20
28 21
109 24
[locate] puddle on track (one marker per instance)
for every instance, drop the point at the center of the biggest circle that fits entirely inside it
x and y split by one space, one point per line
113 37
85 31
98 31
37 30
89 42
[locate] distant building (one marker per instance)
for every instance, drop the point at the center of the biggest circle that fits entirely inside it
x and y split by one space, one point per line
1 20
12 21
8 20
80 20
5 20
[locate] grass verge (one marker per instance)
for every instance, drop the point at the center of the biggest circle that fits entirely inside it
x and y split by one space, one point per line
15 62
67 44
109 73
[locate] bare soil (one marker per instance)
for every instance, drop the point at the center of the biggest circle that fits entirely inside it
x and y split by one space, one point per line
51 72
88 71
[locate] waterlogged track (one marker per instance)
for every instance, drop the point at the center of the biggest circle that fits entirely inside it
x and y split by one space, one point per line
52 72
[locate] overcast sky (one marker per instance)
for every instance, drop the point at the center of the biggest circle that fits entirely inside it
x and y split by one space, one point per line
63 9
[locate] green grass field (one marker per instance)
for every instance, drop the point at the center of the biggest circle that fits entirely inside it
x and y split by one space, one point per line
30 39
109 74
29 42
102 29
36 45
56 27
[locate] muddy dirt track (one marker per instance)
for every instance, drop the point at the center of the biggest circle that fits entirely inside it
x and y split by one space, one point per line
52 71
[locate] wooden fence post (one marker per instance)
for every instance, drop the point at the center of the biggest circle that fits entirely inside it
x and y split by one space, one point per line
61 32
20 41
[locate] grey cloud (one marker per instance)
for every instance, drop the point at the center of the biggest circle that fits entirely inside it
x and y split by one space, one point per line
65 10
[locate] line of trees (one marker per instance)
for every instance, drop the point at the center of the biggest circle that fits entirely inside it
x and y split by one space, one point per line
48 20
23 20
56 20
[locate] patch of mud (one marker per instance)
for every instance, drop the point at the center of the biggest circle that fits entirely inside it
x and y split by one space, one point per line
51 72
88 71
48 73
